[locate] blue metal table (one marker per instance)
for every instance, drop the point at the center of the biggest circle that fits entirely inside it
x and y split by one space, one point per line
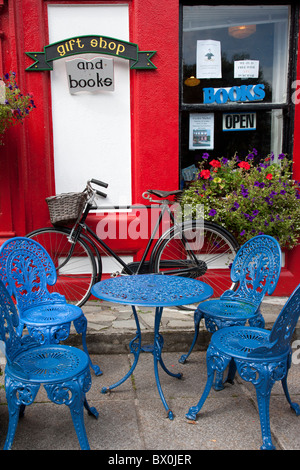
151 290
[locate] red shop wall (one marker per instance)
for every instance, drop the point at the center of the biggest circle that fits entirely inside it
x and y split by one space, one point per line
28 151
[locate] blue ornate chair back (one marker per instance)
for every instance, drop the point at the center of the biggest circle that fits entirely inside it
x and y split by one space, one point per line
26 270
9 321
256 267
285 324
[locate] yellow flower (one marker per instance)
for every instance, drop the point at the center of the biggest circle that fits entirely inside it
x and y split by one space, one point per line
217 180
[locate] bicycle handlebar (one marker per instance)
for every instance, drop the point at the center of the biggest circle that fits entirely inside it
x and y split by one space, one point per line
99 183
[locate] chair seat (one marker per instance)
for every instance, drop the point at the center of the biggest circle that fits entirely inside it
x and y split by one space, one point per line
44 364
50 314
240 342
228 309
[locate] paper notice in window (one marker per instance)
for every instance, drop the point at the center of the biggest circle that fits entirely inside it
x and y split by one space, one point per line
208 59
246 68
201 131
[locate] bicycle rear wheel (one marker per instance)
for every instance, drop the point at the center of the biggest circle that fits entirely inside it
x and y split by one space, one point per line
75 264
203 251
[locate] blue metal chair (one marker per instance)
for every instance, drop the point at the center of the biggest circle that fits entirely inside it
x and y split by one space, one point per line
26 270
256 267
260 356
63 370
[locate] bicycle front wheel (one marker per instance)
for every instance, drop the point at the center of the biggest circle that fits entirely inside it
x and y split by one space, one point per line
74 262
204 251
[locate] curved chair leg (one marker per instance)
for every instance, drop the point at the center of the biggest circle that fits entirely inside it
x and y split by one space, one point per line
197 318
215 363
81 327
194 410
76 409
293 405
13 409
263 401
263 377
72 394
18 395
90 409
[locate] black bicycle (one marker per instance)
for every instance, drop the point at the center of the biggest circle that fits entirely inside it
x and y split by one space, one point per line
193 248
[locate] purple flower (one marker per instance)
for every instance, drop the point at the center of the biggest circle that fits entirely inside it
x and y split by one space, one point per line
281 156
243 232
244 191
212 212
269 201
224 160
235 207
205 155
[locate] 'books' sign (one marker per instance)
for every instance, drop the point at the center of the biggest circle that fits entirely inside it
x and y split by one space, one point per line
90 75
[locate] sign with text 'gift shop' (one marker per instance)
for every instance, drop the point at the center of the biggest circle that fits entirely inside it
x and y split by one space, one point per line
91 44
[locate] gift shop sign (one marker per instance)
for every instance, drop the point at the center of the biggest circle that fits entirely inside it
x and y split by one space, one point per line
91 44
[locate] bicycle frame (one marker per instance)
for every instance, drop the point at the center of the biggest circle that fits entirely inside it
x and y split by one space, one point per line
81 225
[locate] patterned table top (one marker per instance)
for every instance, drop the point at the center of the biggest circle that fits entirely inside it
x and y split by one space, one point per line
152 290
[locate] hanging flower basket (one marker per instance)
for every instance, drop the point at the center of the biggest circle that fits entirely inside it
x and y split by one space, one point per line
14 106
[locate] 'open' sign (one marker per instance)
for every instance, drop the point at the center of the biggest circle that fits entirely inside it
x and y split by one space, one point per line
239 122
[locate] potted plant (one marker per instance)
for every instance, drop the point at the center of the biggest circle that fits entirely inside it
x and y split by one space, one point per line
14 106
248 197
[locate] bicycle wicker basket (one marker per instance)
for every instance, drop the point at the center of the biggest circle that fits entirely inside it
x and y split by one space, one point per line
66 208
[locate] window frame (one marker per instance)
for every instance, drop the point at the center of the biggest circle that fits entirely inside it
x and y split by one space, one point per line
287 107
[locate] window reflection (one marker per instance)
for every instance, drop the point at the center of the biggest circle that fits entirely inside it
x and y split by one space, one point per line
258 33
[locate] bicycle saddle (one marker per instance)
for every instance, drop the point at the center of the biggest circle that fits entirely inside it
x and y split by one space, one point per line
159 193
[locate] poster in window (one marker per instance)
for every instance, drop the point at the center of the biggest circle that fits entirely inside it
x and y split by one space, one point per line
201 131
246 68
208 59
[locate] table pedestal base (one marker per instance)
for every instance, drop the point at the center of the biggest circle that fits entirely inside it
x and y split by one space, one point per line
156 349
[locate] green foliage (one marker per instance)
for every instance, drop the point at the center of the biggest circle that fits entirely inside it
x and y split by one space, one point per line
16 107
248 199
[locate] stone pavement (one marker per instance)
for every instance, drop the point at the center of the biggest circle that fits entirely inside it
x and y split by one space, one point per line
111 326
132 421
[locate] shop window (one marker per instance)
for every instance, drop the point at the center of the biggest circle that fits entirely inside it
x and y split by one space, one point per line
236 71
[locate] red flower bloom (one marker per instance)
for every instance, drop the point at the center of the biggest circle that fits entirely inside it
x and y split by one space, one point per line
205 174
215 163
244 165
269 176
